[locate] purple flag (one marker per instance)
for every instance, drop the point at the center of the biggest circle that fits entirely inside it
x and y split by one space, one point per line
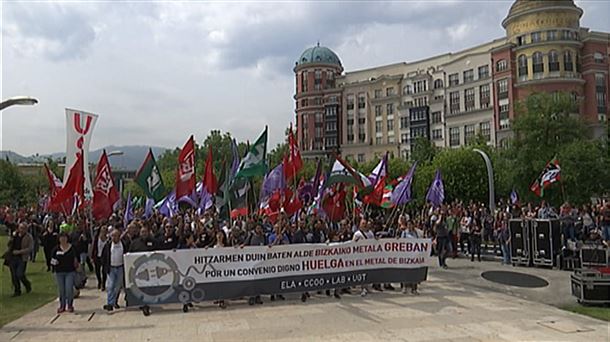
235 161
205 199
402 193
316 178
168 206
128 215
436 193
273 181
514 197
148 209
381 170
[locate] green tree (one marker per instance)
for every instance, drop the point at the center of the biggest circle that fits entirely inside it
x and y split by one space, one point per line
424 150
14 189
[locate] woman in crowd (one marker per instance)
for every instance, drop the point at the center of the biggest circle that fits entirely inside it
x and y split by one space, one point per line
49 241
99 241
65 261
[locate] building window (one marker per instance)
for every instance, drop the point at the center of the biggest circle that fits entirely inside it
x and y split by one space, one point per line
390 124
437 134
600 93
522 67
502 89
536 37
551 35
454 102
421 101
501 65
417 115
418 132
598 57
391 139
350 102
484 95
454 136
454 79
577 62
438 83
537 62
361 101
331 126
568 35
331 142
567 61
377 111
330 79
468 75
407 89
389 109
404 138
378 140
377 93
469 99
469 132
504 121
485 129
483 71
378 127
404 122
317 85
420 86
520 40
389 91
553 61
360 158
361 121
436 117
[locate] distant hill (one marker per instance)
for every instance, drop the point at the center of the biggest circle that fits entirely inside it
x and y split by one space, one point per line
131 159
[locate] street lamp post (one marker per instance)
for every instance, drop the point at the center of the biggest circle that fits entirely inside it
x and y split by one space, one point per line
490 179
18 100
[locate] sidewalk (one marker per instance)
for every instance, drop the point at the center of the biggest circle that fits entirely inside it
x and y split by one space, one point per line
454 305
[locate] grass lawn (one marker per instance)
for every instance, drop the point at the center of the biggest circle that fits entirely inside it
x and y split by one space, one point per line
598 312
43 288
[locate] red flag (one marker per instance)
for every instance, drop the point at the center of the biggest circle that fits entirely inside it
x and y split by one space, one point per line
209 180
334 205
73 188
376 196
54 182
275 201
293 205
105 193
292 161
185 175
235 213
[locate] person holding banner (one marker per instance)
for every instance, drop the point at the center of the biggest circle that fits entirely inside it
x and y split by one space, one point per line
408 231
221 241
363 232
278 237
255 238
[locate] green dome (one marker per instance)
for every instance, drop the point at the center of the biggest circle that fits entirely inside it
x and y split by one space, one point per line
319 54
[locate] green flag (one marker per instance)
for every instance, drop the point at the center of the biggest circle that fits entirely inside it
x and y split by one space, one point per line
149 178
254 163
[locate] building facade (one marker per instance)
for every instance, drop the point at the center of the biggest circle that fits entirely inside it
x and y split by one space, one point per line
452 98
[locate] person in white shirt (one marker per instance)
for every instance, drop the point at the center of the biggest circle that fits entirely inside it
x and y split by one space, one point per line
112 257
363 233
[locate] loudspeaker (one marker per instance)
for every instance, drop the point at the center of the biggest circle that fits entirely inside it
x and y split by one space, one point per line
520 242
594 256
546 236
591 286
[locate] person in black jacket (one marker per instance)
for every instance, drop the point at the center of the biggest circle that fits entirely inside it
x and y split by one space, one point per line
144 242
168 240
64 260
112 259
49 241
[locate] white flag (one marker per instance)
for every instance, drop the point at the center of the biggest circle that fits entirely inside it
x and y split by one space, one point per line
79 127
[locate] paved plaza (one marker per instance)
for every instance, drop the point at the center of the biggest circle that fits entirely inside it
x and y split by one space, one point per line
454 305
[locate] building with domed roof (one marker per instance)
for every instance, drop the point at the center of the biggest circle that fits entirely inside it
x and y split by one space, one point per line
451 98
318 101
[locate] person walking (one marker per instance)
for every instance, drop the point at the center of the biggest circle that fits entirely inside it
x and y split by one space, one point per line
504 239
65 261
101 237
19 248
442 240
112 258
49 241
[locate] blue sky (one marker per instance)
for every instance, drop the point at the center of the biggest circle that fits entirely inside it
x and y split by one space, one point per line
157 72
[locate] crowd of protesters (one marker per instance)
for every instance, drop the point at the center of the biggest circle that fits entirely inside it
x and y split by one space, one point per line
75 244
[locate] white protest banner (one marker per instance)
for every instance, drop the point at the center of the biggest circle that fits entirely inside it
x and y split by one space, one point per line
79 127
195 275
